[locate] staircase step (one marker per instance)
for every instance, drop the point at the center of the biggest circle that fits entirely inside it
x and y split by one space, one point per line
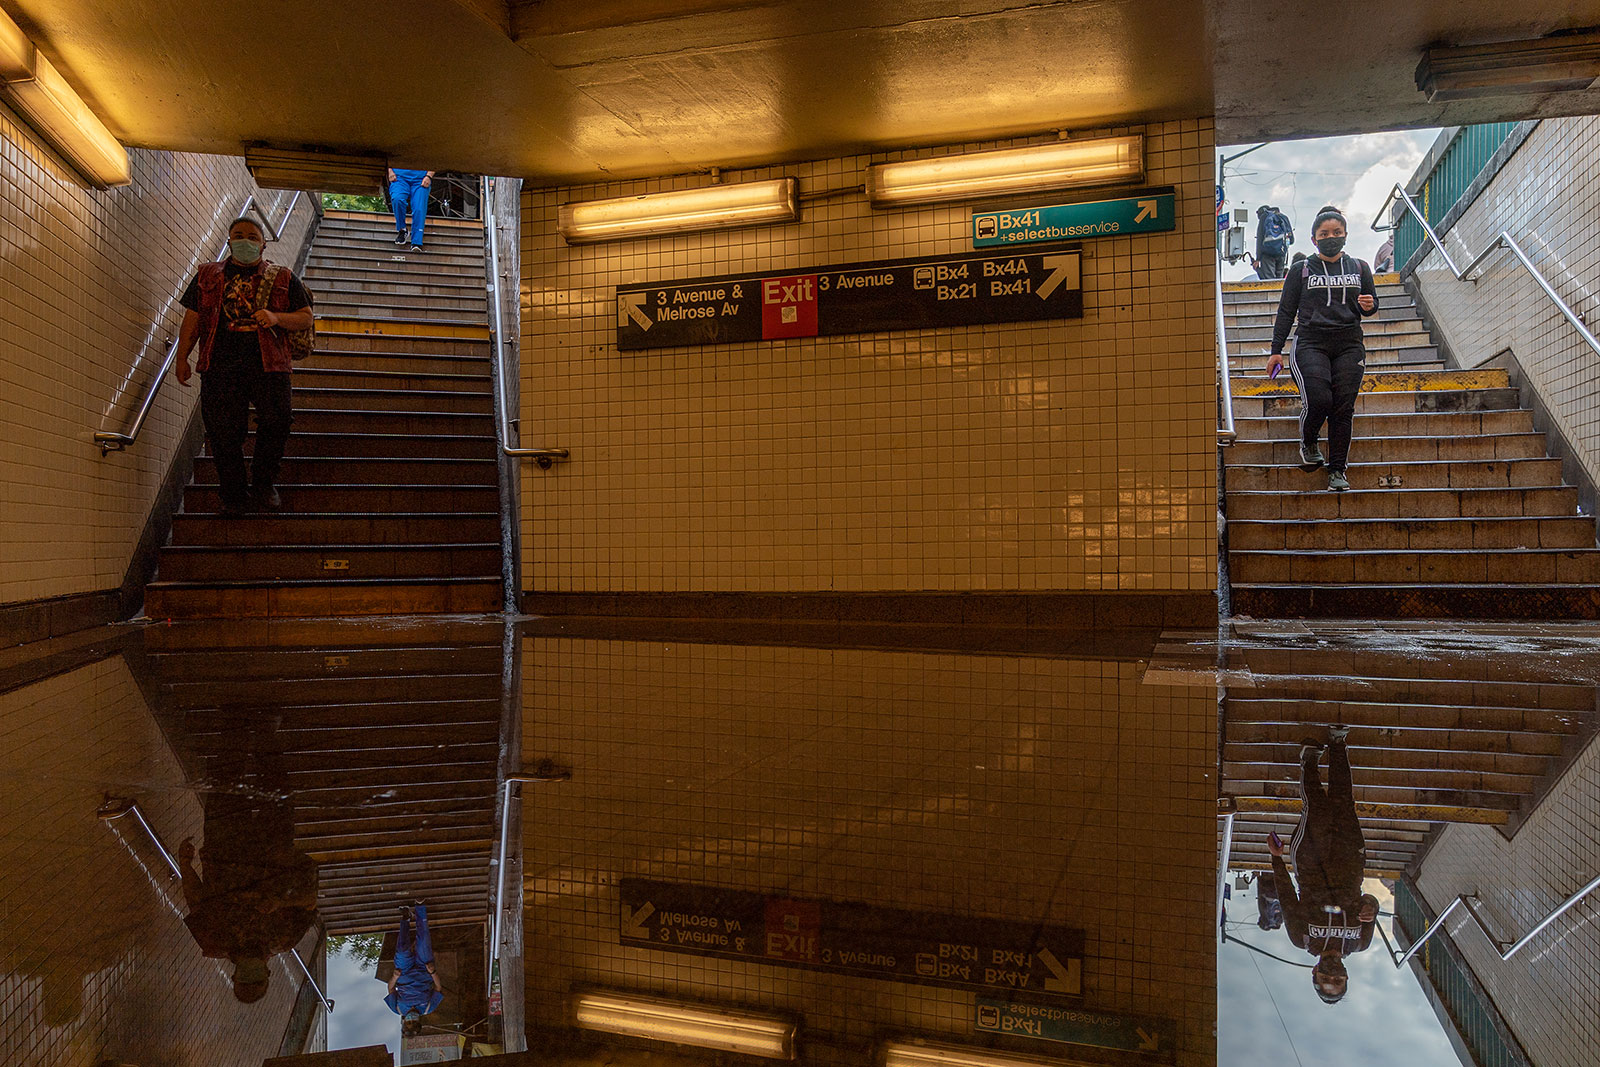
205 498
1407 738
390 362
361 310
1511 566
382 239
1400 449
331 377
1495 790
207 563
351 286
336 341
420 423
396 446
333 659
333 528
1390 792
1538 700
1266 315
180 600
1432 766
1425 535
379 469
1314 502
1396 401
1370 425
1412 474
1394 381
1417 601
396 263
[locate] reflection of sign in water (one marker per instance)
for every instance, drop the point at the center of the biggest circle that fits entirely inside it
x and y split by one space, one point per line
905 294
430 1048
908 946
1153 212
1076 1026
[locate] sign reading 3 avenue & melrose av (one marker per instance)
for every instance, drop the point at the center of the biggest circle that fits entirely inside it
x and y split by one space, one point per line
904 294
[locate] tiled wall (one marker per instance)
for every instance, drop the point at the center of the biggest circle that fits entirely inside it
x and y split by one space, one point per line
95 961
1548 196
1058 792
83 275
1070 455
1549 993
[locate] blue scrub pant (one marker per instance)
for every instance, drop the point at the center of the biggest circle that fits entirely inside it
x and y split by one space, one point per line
409 193
414 949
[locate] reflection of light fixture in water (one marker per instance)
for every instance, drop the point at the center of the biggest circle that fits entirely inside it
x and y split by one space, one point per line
919 1053
1008 172
52 107
630 1015
714 207
1558 63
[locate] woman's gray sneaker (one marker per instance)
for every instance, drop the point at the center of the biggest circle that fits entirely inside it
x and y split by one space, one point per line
1310 457
1337 481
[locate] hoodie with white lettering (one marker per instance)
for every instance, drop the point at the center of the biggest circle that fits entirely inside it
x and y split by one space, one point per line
1322 296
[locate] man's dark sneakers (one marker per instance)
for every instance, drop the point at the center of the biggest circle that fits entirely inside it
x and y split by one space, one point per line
267 498
416 248
233 509
399 238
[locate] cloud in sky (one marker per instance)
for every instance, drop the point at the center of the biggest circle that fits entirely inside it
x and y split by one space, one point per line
1352 173
360 1016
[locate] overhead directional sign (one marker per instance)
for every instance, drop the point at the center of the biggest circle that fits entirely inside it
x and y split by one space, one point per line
901 294
905 946
1076 1026
1143 213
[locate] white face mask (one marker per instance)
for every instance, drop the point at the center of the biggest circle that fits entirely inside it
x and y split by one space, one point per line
244 250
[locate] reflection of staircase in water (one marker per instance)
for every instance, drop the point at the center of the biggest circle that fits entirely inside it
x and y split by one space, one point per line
390 740
1432 740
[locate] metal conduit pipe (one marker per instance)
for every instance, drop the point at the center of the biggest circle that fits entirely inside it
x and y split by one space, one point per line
110 441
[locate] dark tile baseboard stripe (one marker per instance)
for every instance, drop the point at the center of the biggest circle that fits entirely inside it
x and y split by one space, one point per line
1071 611
39 620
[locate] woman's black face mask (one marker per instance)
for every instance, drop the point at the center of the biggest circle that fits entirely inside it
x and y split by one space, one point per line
1330 246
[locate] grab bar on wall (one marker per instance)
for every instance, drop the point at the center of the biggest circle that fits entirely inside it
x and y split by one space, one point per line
1225 431
543 771
545 457
1504 240
1504 949
110 441
116 808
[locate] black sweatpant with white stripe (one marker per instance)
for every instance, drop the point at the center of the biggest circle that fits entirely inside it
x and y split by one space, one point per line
1328 370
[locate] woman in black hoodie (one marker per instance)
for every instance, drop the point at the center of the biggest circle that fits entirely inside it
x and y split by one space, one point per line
1329 294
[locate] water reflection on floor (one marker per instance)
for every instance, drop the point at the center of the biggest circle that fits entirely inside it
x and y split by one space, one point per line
996 838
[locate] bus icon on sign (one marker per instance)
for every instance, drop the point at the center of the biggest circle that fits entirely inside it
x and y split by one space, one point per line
988 1017
922 278
987 226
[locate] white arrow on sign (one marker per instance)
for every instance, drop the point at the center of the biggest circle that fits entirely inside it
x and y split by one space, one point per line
1061 979
1147 210
633 921
1060 267
631 306
1148 1042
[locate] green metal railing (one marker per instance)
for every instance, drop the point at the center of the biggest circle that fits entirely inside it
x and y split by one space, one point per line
1463 160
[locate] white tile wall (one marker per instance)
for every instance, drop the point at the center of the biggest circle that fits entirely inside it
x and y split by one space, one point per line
1548 197
83 276
1074 455
1549 992
1037 790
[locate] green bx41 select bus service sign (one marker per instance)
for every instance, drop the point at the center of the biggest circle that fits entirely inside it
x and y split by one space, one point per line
1142 213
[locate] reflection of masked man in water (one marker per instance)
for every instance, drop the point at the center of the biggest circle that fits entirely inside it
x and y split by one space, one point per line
257 896
1327 915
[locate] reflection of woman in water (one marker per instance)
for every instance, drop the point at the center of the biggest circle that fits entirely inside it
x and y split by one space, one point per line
1327 914
257 895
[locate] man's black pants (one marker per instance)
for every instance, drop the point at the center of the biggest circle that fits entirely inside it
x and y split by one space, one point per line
1270 266
227 390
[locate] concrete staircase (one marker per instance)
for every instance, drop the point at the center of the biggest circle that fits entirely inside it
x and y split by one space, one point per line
1432 740
390 481
1455 509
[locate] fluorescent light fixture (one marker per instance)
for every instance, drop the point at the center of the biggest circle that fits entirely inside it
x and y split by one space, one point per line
919 1053
630 1015
52 107
1010 172
1561 62
714 207
314 171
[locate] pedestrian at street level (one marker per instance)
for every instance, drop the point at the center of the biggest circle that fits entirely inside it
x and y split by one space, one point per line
408 191
1383 262
1326 914
1274 235
240 312
414 988
1328 297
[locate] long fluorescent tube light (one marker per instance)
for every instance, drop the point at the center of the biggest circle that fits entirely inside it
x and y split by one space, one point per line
1558 63
312 171
1009 172
714 207
937 1054
630 1015
52 107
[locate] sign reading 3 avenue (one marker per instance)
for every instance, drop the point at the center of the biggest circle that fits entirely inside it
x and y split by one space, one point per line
902 294
905 946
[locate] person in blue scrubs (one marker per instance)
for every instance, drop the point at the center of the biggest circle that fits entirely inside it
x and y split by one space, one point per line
408 190
414 988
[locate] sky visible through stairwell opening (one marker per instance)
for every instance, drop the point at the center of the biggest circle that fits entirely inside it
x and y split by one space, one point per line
1352 173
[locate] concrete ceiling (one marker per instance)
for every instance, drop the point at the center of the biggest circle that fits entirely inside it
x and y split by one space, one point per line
578 90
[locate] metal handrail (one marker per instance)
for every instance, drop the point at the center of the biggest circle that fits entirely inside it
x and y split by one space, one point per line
117 808
543 771
1225 431
1504 240
1222 867
543 456
107 441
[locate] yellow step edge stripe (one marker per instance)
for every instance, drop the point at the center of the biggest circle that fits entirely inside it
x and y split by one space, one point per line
1403 812
1385 382
401 329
